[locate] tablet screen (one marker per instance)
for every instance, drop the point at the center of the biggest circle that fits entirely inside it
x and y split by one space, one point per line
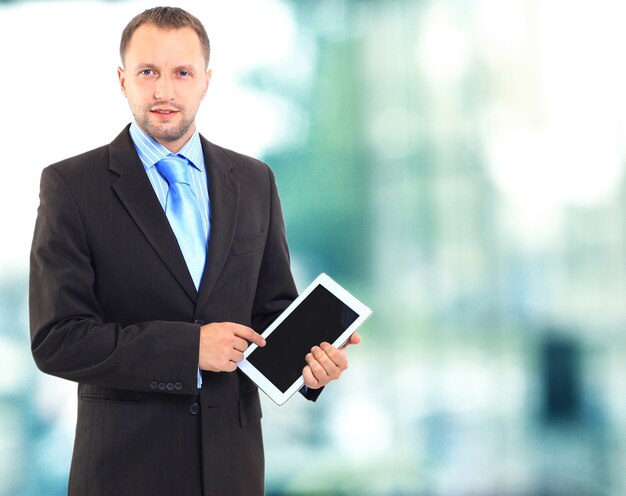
320 317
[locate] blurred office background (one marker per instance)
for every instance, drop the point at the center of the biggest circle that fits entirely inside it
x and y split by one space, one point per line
459 165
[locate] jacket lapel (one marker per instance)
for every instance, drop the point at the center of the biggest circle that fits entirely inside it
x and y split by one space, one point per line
134 190
224 198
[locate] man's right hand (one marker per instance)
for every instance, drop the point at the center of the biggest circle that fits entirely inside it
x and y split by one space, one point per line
222 345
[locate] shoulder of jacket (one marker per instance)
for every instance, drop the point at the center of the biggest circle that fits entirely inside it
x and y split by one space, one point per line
82 161
235 159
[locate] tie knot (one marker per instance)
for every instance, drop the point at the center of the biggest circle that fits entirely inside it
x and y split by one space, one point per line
174 169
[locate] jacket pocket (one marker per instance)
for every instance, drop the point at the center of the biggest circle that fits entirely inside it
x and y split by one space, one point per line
113 397
249 408
248 244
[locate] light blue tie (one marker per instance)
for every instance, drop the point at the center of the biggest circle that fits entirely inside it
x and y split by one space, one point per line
183 212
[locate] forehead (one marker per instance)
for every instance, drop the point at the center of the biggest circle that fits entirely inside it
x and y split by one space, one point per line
150 44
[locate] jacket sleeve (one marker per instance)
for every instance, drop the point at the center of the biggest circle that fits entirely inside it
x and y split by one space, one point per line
69 338
276 288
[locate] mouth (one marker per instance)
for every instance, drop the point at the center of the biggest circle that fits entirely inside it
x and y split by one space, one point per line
164 113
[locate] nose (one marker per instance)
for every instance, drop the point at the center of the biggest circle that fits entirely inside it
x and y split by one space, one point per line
164 89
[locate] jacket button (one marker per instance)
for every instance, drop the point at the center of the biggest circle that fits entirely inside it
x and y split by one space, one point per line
154 385
162 386
199 321
170 386
194 408
178 386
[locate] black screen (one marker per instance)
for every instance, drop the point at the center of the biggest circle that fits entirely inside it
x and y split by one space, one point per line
320 317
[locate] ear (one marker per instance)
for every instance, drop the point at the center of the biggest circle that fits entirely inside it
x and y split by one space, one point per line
121 75
207 76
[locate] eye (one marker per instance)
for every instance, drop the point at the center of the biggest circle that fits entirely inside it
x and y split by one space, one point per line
146 72
184 73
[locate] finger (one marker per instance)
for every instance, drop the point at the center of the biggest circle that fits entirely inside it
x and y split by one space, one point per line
337 357
230 366
309 379
249 334
236 356
322 367
353 339
240 344
222 364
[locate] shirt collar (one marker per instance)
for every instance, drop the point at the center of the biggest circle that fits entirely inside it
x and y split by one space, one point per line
150 151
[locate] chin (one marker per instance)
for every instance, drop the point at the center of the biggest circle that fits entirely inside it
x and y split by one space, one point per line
159 133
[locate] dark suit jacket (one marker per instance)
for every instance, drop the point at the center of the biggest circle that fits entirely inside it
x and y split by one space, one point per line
113 307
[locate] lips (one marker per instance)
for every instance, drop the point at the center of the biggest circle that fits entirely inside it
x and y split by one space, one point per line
164 113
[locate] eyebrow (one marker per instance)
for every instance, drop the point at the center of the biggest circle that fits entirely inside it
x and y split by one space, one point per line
184 67
142 65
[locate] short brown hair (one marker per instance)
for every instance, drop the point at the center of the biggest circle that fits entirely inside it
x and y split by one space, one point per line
166 18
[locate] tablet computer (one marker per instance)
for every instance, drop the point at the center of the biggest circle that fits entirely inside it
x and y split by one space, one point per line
324 311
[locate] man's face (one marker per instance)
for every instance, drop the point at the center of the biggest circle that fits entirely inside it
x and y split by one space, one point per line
164 81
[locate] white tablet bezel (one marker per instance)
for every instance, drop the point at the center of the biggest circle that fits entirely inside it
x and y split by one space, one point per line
324 280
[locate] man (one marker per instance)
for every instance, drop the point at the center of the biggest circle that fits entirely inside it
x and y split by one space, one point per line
149 321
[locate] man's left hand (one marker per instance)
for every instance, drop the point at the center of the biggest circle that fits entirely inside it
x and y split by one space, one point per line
325 363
